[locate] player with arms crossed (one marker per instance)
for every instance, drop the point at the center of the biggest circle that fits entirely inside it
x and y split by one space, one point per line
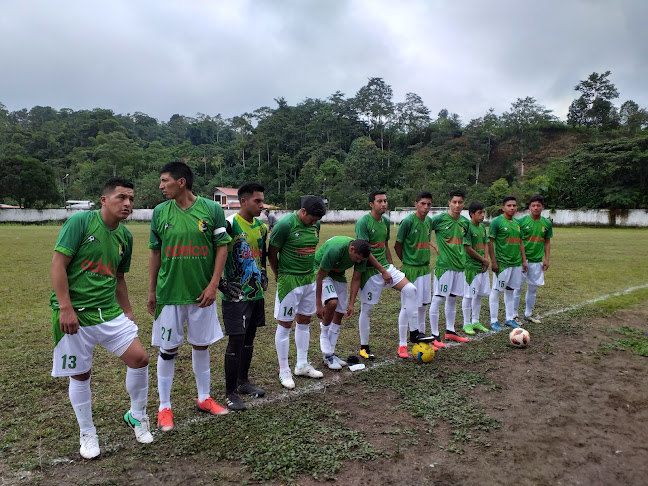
188 243
508 262
537 232
90 306
332 259
374 227
476 269
292 259
413 248
246 266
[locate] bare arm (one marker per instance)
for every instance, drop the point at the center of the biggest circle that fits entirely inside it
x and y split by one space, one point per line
68 320
208 295
491 252
355 287
385 274
388 253
121 295
472 253
547 249
319 277
525 266
155 260
273 257
398 248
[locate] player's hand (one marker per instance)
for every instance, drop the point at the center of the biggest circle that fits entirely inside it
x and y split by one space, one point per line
485 266
231 290
525 267
151 303
320 311
207 296
264 279
545 266
130 315
68 321
495 268
349 311
387 278
436 248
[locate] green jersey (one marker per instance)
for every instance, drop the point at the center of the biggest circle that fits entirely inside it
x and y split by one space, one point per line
415 236
97 254
244 255
377 233
296 243
449 233
477 238
187 240
507 238
534 234
333 257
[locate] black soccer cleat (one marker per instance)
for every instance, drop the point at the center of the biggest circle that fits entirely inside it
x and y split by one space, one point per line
234 402
418 337
248 388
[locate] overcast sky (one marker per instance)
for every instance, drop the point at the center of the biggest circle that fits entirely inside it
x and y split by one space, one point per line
231 56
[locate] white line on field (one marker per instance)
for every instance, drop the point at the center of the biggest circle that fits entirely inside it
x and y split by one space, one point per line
320 386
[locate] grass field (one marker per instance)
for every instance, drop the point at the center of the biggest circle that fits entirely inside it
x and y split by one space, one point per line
38 424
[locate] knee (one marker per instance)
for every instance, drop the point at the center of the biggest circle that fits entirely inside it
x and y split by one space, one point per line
82 377
366 309
409 291
141 360
331 305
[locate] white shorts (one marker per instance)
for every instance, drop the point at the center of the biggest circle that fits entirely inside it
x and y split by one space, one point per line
370 293
534 275
479 287
203 326
451 282
300 300
73 353
332 289
511 277
423 286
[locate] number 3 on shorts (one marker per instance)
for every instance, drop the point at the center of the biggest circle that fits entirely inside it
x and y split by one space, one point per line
288 311
369 297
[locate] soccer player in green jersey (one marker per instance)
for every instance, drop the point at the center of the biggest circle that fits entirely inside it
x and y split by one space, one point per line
246 257
332 259
374 227
292 258
449 279
188 244
413 248
508 262
90 306
537 232
476 268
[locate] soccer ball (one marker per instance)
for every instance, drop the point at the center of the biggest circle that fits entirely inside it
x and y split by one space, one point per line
519 337
423 352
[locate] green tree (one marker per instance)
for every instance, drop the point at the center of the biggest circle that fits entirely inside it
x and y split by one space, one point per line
632 116
28 181
594 107
374 101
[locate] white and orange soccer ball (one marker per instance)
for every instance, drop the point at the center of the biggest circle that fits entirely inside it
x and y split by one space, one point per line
519 337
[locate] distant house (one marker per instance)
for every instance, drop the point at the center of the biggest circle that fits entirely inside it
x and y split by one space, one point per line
227 197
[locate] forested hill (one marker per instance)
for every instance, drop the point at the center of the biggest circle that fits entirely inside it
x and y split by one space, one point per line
340 148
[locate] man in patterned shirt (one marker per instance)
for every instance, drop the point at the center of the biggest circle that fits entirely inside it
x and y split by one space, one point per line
449 279
188 243
90 306
508 262
292 258
246 266
537 232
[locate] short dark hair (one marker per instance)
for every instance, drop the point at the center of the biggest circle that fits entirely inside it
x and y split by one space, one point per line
314 206
361 247
458 193
476 206
373 194
507 199
423 195
267 210
248 188
536 197
179 170
115 182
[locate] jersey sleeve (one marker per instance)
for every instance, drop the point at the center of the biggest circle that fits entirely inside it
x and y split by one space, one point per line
403 230
492 228
549 233
221 237
329 259
71 235
386 220
280 232
434 221
155 240
124 265
361 229
467 239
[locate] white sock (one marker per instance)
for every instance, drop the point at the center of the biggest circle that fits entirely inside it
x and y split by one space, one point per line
408 294
325 342
493 303
508 305
530 299
81 400
302 340
334 333
450 312
476 308
435 305
200 360
516 300
363 322
466 308
282 343
402 327
165 373
137 388
421 319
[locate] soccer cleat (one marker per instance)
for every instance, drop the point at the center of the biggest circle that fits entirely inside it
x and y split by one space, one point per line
286 379
437 343
248 388
512 323
366 353
309 371
453 336
340 361
234 402
495 326
142 428
89 446
479 327
210 406
402 352
532 320
165 420
330 363
419 337
468 329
